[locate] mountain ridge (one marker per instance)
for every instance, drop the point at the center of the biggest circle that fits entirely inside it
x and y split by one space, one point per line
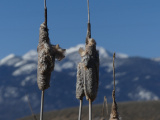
136 79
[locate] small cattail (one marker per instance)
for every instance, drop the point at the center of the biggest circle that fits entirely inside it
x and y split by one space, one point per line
114 110
105 106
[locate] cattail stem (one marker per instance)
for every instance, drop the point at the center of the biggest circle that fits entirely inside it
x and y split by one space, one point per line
88 12
89 25
42 104
45 12
31 109
80 109
114 71
44 3
90 109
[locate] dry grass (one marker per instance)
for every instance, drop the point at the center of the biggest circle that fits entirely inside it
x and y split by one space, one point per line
127 111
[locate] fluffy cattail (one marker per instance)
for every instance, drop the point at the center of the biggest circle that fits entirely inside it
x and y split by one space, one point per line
88 69
47 54
91 63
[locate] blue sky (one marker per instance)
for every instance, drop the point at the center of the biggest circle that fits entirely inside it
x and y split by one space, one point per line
125 26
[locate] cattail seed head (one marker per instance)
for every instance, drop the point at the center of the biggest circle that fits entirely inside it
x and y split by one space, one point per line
47 53
89 67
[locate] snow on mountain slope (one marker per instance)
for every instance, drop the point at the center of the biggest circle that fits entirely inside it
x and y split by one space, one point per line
25 69
142 94
74 49
31 55
71 53
10 60
121 55
156 59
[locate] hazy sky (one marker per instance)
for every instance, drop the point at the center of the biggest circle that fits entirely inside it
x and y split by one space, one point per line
125 26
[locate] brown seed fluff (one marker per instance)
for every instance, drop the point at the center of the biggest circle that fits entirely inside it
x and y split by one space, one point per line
88 71
47 53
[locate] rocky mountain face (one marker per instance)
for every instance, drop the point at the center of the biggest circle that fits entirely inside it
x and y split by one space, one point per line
136 79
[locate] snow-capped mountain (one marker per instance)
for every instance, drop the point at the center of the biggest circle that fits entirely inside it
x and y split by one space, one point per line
136 79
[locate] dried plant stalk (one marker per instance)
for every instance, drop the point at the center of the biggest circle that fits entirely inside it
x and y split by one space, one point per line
105 106
29 104
114 110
